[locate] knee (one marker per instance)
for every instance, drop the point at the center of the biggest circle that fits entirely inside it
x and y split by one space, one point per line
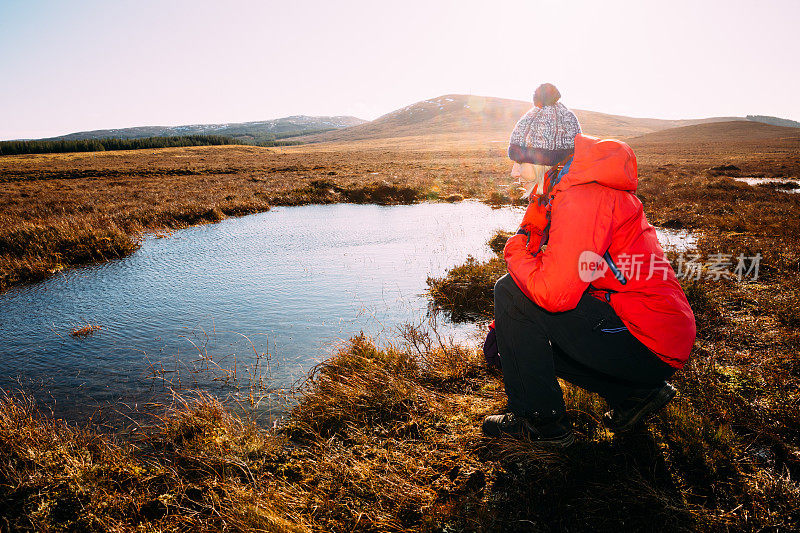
503 289
508 296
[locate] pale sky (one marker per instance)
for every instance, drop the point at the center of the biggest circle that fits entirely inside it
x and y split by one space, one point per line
77 65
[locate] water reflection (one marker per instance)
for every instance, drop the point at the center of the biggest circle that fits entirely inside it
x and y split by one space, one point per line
282 286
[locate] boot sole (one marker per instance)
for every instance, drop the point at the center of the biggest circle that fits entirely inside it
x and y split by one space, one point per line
560 442
649 408
564 441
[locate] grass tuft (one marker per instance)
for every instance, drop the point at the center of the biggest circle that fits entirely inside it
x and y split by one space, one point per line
85 330
498 241
466 292
199 468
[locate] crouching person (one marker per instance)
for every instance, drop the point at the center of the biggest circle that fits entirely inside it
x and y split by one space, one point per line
590 296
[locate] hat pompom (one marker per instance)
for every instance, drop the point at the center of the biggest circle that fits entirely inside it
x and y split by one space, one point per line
546 94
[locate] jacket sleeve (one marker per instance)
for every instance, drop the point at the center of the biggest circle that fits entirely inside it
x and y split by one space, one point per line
580 221
534 221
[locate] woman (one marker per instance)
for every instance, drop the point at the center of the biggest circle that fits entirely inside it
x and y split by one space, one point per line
589 296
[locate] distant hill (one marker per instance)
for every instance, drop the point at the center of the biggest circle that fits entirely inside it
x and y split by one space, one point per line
739 143
775 121
483 118
265 130
457 117
729 132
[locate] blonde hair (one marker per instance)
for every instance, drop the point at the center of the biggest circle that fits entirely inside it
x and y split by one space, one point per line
536 186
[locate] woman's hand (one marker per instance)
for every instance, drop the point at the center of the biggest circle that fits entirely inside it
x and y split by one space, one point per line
513 243
490 352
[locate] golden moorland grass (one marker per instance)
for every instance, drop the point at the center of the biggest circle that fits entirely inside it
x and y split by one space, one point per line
62 210
388 438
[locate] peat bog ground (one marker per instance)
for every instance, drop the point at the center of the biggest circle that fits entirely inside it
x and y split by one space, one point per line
386 436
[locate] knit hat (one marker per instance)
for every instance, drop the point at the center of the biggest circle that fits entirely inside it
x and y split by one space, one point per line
545 135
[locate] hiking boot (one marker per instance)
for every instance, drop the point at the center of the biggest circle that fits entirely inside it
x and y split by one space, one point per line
556 433
637 407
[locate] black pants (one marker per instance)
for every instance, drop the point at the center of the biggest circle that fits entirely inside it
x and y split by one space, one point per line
588 346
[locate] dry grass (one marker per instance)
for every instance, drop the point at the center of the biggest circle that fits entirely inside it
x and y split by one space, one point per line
63 210
466 292
192 471
387 439
85 330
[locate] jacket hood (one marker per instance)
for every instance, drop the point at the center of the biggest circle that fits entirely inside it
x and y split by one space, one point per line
606 161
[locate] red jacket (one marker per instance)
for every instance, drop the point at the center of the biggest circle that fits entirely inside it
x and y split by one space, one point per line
593 211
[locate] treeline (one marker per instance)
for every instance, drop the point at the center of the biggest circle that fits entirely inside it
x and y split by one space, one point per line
775 121
99 145
299 133
274 143
275 139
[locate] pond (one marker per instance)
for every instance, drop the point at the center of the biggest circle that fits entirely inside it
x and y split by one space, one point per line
283 286
266 295
780 184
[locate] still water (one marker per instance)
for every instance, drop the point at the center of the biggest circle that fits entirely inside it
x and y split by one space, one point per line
289 283
760 181
279 289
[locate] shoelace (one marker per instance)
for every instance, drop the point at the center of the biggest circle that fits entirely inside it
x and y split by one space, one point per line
510 420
